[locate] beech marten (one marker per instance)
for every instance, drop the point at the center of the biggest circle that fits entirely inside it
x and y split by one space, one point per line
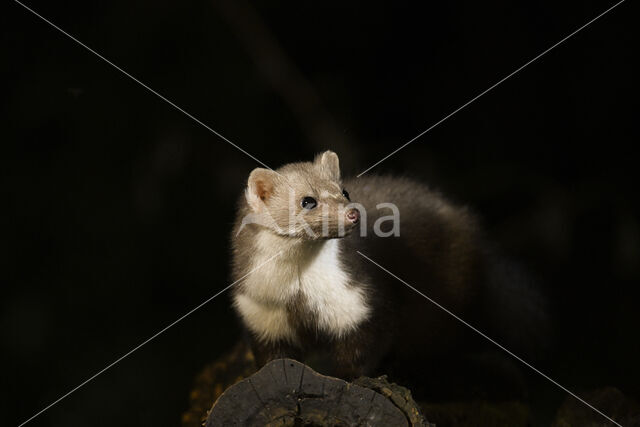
315 299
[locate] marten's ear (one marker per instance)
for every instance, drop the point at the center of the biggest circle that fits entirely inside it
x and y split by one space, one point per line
330 164
260 187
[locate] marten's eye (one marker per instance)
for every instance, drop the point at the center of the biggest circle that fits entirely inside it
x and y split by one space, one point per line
309 203
345 193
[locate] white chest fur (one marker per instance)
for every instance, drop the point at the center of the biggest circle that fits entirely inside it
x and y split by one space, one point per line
316 275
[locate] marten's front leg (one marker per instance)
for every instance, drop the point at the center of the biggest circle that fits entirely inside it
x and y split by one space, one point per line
354 355
266 352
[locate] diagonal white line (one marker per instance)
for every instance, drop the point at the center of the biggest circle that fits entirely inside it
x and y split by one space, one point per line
144 342
140 83
492 87
489 339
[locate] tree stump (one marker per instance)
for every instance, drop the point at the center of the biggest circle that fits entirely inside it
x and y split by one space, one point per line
238 365
287 393
214 379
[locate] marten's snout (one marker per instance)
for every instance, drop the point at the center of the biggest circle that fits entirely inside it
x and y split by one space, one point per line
353 216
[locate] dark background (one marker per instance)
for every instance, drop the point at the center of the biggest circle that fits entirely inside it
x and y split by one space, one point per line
117 208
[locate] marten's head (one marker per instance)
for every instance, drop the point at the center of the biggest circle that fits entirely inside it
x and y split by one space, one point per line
301 200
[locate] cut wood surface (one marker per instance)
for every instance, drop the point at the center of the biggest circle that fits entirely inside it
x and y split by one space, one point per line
286 393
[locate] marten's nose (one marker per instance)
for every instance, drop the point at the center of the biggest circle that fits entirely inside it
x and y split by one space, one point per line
353 215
